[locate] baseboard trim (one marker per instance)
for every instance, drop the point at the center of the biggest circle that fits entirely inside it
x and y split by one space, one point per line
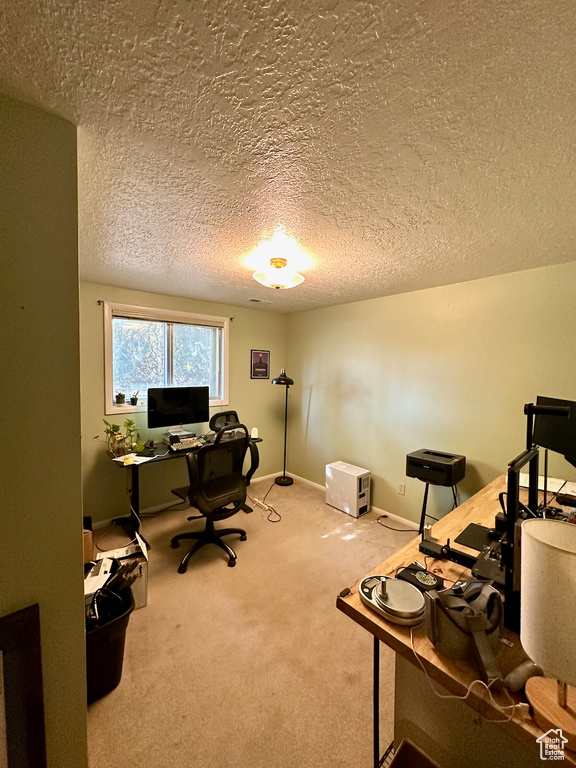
391 516
274 475
308 482
148 511
265 477
160 507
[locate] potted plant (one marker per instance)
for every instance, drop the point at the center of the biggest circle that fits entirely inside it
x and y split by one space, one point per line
120 443
120 398
133 436
134 399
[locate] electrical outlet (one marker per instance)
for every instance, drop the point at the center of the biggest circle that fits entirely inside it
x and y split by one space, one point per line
401 488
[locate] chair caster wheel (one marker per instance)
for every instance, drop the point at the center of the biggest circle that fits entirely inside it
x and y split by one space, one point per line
174 544
181 569
231 563
243 537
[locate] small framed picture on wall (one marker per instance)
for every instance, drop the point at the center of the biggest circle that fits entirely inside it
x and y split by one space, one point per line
260 364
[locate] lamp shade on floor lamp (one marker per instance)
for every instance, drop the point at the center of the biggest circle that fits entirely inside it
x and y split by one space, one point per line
548 621
284 381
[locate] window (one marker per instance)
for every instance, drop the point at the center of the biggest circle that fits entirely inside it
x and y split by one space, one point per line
146 348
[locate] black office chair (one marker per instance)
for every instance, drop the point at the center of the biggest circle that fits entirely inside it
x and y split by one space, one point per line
218 489
216 423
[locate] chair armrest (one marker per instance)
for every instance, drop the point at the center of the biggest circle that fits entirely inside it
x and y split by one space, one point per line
192 473
254 461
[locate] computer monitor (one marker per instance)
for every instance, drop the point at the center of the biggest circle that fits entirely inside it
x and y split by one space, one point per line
175 406
556 431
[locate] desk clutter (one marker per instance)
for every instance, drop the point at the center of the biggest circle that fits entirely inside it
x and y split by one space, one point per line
508 612
117 569
178 443
396 600
186 441
462 622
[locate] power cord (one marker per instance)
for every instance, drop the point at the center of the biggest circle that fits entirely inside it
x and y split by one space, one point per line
268 491
399 530
487 688
273 516
97 542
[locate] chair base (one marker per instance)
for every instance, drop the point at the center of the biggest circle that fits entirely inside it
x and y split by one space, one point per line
209 536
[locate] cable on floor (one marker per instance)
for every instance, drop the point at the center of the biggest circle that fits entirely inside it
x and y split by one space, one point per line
414 531
272 516
98 541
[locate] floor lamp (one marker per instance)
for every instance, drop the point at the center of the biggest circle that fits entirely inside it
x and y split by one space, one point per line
284 381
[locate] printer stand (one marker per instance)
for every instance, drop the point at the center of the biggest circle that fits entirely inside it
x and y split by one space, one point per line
425 502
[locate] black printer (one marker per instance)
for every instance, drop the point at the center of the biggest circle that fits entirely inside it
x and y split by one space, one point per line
436 467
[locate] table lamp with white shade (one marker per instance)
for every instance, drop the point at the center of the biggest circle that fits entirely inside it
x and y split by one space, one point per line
548 621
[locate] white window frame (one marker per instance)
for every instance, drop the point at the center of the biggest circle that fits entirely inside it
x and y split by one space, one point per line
113 309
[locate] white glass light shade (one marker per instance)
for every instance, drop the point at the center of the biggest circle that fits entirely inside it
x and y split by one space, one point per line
278 277
548 596
276 261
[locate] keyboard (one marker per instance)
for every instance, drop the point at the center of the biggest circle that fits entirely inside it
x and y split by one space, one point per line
186 445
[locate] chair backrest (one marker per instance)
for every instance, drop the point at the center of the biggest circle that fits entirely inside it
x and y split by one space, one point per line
223 419
216 472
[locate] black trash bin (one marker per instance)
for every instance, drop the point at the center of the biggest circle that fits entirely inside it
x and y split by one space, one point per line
105 645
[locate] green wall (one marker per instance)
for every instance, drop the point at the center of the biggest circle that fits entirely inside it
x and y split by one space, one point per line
40 489
257 402
447 368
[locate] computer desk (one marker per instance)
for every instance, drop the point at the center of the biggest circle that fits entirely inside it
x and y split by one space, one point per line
454 733
161 452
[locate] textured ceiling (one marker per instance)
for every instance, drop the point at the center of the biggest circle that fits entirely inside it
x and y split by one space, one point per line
404 144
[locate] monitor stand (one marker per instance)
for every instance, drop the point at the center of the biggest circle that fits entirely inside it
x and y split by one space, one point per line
175 434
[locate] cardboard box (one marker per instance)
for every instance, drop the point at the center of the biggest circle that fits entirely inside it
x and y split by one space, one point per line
138 552
88 545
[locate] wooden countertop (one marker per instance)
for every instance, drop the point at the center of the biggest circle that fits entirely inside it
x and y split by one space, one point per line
454 676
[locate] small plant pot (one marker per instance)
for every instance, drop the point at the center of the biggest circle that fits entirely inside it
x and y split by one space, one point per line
120 400
133 401
119 447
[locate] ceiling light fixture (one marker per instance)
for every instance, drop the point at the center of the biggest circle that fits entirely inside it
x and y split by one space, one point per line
278 275
276 261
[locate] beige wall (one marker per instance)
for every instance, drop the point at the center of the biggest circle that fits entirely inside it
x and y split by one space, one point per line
257 402
448 368
40 490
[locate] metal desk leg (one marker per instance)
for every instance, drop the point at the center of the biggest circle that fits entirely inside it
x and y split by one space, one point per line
134 489
132 524
376 714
